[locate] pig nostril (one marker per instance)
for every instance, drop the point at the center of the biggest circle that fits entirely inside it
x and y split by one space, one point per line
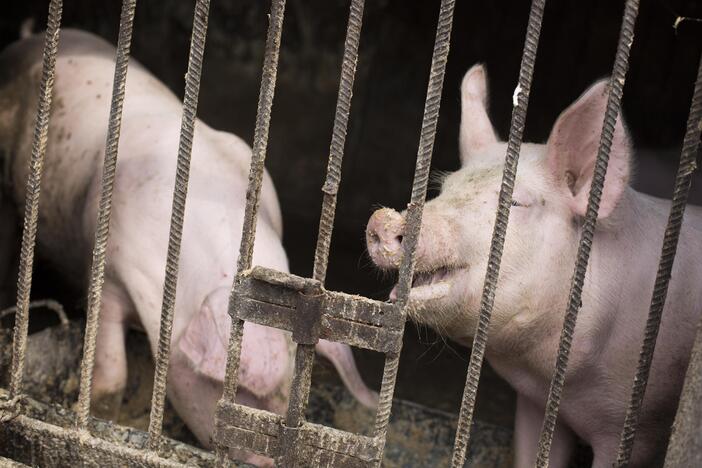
374 238
399 239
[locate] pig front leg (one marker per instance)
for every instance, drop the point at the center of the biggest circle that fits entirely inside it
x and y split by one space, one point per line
110 371
527 428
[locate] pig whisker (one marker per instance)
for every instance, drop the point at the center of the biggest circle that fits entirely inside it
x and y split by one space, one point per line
454 351
424 353
377 206
437 178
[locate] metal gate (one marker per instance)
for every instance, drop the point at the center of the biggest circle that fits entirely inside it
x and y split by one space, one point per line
302 305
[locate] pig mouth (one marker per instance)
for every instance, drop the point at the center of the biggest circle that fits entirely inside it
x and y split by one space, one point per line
430 284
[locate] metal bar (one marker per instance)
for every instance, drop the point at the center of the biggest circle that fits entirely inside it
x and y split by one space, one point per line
415 208
45 435
621 64
509 175
304 355
685 445
31 204
336 148
313 440
48 441
253 192
260 144
97 270
180 193
683 181
274 299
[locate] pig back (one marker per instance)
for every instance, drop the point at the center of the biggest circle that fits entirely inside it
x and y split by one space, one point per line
77 131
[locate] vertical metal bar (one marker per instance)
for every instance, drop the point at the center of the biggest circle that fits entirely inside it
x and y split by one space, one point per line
683 181
621 64
97 271
260 145
685 446
180 193
31 204
415 208
301 382
509 175
304 355
338 141
253 192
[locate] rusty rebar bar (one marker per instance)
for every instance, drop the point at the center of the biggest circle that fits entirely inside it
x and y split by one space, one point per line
33 190
683 181
305 354
253 192
97 270
415 207
487 301
338 141
180 193
617 80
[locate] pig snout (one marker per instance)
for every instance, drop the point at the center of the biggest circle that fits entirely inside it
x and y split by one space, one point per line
384 238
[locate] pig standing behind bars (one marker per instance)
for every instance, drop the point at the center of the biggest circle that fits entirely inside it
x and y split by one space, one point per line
550 199
139 227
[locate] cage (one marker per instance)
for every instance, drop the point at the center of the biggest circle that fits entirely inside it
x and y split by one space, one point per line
578 43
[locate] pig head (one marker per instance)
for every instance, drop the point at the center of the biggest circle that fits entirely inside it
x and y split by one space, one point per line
549 202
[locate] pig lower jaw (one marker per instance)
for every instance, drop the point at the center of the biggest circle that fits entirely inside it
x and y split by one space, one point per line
427 286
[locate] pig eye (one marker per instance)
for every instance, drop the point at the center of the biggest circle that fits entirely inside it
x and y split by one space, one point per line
516 203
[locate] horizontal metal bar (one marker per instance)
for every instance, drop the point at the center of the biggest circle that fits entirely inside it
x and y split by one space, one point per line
58 446
272 298
263 432
46 435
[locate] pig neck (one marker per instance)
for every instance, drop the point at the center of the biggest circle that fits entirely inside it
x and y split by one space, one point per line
525 355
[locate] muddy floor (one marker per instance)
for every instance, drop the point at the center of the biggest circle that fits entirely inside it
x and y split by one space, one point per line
417 436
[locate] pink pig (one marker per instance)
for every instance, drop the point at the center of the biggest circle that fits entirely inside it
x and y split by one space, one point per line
550 199
139 227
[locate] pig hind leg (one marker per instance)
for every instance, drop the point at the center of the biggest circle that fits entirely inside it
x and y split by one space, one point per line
110 371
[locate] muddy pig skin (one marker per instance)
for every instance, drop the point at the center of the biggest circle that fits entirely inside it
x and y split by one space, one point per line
550 199
139 227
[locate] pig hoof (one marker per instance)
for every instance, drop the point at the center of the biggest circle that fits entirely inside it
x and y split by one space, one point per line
107 406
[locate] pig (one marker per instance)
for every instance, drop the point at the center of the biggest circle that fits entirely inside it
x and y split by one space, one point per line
550 200
136 253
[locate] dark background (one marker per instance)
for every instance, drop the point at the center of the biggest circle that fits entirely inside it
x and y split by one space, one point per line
578 42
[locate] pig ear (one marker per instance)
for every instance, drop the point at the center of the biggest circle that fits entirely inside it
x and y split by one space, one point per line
476 131
204 342
571 152
265 355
